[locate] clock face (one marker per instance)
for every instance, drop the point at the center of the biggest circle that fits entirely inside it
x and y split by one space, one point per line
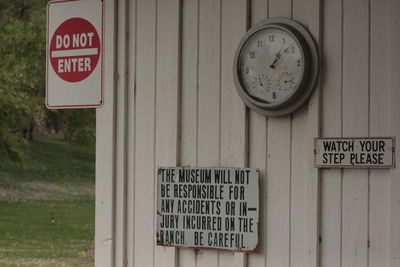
271 66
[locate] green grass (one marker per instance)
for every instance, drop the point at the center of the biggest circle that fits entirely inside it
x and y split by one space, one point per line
47 206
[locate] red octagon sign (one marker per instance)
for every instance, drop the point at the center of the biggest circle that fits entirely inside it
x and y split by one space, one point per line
74 50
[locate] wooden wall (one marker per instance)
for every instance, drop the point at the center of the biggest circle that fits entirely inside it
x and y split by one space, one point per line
170 101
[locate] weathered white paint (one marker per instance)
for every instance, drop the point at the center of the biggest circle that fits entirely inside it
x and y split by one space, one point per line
130 142
172 102
189 96
144 120
257 150
233 141
392 8
167 105
208 102
355 123
105 149
121 153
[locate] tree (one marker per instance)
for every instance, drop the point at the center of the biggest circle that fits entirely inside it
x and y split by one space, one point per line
21 72
22 81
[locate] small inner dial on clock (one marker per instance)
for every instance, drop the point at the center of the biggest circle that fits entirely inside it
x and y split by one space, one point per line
286 81
260 86
271 65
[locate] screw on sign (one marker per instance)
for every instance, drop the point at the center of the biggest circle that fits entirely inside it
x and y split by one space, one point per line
74 50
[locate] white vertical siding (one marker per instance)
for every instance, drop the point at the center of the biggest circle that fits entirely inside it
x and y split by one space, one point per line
145 98
121 148
379 184
172 102
233 111
257 151
208 123
131 106
356 85
331 183
355 123
105 149
279 141
167 104
189 100
394 85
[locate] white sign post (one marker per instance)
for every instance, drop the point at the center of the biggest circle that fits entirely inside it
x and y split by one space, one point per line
372 152
208 208
74 54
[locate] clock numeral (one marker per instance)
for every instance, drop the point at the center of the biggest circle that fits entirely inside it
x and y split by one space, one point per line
293 49
283 40
252 54
274 95
260 43
271 38
298 63
247 70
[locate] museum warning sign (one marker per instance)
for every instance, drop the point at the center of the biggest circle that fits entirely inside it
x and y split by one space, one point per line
208 208
372 152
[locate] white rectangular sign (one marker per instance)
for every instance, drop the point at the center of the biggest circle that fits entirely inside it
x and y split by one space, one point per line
372 152
208 208
74 54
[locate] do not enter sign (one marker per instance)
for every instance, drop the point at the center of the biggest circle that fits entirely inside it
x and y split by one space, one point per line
74 54
75 50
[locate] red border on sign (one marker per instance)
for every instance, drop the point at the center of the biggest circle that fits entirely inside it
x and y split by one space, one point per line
101 55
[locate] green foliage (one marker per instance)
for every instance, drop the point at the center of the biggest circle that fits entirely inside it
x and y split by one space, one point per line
77 125
22 82
22 47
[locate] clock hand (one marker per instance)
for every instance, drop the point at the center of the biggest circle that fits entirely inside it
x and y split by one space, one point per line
286 50
279 55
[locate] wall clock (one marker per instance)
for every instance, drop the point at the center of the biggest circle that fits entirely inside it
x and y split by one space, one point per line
276 66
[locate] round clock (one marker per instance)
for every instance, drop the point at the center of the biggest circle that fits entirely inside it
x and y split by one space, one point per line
276 66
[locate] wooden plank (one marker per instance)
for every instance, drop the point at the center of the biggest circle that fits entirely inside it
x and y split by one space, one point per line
298 189
105 150
355 123
209 98
209 82
131 68
280 8
258 11
331 185
189 92
299 166
257 131
394 254
190 79
167 103
305 226
121 138
233 111
380 180
145 133
278 192
278 173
